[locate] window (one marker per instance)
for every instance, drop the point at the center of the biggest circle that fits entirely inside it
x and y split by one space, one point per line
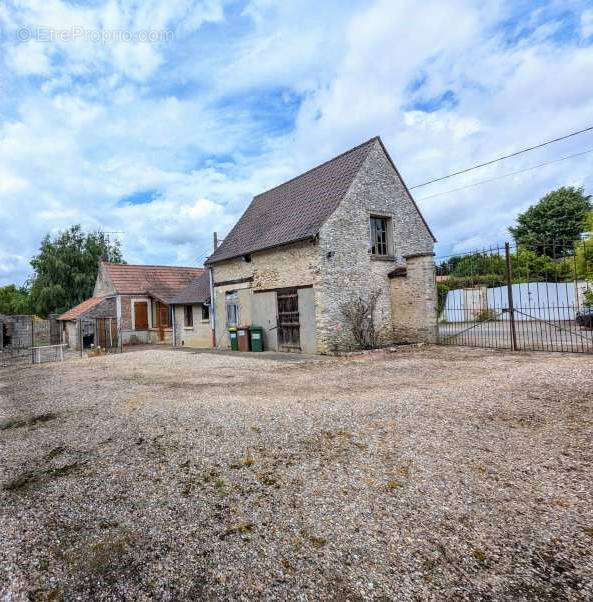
232 308
205 312
379 236
188 316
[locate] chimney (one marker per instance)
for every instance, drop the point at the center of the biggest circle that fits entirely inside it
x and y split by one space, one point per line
215 238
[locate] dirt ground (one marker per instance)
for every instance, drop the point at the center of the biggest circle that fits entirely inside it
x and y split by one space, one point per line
426 474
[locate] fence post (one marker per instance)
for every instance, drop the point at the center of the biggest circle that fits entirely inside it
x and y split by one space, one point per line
509 277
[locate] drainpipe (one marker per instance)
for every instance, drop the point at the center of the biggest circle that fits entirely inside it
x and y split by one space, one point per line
173 324
212 308
212 300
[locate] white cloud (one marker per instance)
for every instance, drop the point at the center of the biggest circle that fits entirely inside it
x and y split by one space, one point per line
587 23
237 103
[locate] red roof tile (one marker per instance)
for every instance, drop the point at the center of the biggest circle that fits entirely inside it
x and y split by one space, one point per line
81 308
162 282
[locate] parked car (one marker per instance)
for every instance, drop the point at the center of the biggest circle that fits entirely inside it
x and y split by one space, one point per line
585 318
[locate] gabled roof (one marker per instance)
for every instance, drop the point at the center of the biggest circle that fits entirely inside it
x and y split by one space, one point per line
297 209
197 291
161 282
80 309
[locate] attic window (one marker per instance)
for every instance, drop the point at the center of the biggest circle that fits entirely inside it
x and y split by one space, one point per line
247 258
380 236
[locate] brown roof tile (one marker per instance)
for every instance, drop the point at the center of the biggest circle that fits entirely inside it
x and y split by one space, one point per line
295 210
197 291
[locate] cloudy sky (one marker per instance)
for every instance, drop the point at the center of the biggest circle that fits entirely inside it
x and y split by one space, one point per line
161 119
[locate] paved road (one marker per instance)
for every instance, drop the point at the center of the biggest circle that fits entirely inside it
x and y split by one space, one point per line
531 334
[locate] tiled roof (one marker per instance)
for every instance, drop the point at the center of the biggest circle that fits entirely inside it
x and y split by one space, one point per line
95 307
162 282
80 309
197 291
295 210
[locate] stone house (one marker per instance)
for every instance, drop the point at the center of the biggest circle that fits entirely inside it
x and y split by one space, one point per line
142 295
191 314
304 251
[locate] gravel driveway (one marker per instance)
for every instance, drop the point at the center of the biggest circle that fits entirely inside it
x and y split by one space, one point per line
426 474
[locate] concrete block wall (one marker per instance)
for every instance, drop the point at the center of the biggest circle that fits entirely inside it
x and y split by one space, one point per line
22 331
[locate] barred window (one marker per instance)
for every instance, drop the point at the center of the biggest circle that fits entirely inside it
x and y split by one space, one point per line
379 236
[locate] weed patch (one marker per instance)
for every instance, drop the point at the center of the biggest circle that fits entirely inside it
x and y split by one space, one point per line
241 528
15 423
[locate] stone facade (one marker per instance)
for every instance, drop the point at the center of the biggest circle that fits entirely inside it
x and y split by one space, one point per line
103 284
337 268
295 265
345 255
413 301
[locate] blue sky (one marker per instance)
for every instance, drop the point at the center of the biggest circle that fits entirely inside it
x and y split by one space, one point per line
167 140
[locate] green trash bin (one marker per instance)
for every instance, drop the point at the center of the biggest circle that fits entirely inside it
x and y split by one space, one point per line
257 338
234 339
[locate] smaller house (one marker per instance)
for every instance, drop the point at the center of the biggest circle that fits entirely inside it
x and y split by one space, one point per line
191 314
143 297
80 321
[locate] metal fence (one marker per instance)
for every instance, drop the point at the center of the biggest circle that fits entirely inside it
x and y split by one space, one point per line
521 297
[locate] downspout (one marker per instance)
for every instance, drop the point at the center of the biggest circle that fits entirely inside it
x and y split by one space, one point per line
174 325
212 308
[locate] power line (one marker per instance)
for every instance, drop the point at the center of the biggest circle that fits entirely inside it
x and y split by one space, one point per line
519 152
506 175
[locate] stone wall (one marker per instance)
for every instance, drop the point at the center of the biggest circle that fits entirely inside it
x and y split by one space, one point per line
414 301
348 269
103 284
289 266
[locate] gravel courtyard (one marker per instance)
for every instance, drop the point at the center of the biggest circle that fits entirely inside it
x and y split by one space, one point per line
426 474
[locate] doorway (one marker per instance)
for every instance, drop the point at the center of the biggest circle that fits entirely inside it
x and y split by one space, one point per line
289 335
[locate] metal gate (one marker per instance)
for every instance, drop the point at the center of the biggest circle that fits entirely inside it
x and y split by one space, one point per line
289 336
535 297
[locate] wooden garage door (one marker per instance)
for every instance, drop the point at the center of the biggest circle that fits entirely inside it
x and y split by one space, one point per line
289 336
141 316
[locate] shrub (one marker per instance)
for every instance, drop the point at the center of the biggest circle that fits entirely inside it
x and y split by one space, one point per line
486 315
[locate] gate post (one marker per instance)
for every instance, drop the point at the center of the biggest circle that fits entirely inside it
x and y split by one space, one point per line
507 256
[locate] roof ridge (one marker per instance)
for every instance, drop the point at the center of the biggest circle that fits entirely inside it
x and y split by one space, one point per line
143 265
304 173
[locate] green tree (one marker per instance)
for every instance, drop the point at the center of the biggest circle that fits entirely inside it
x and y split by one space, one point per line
66 268
584 252
14 300
551 226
